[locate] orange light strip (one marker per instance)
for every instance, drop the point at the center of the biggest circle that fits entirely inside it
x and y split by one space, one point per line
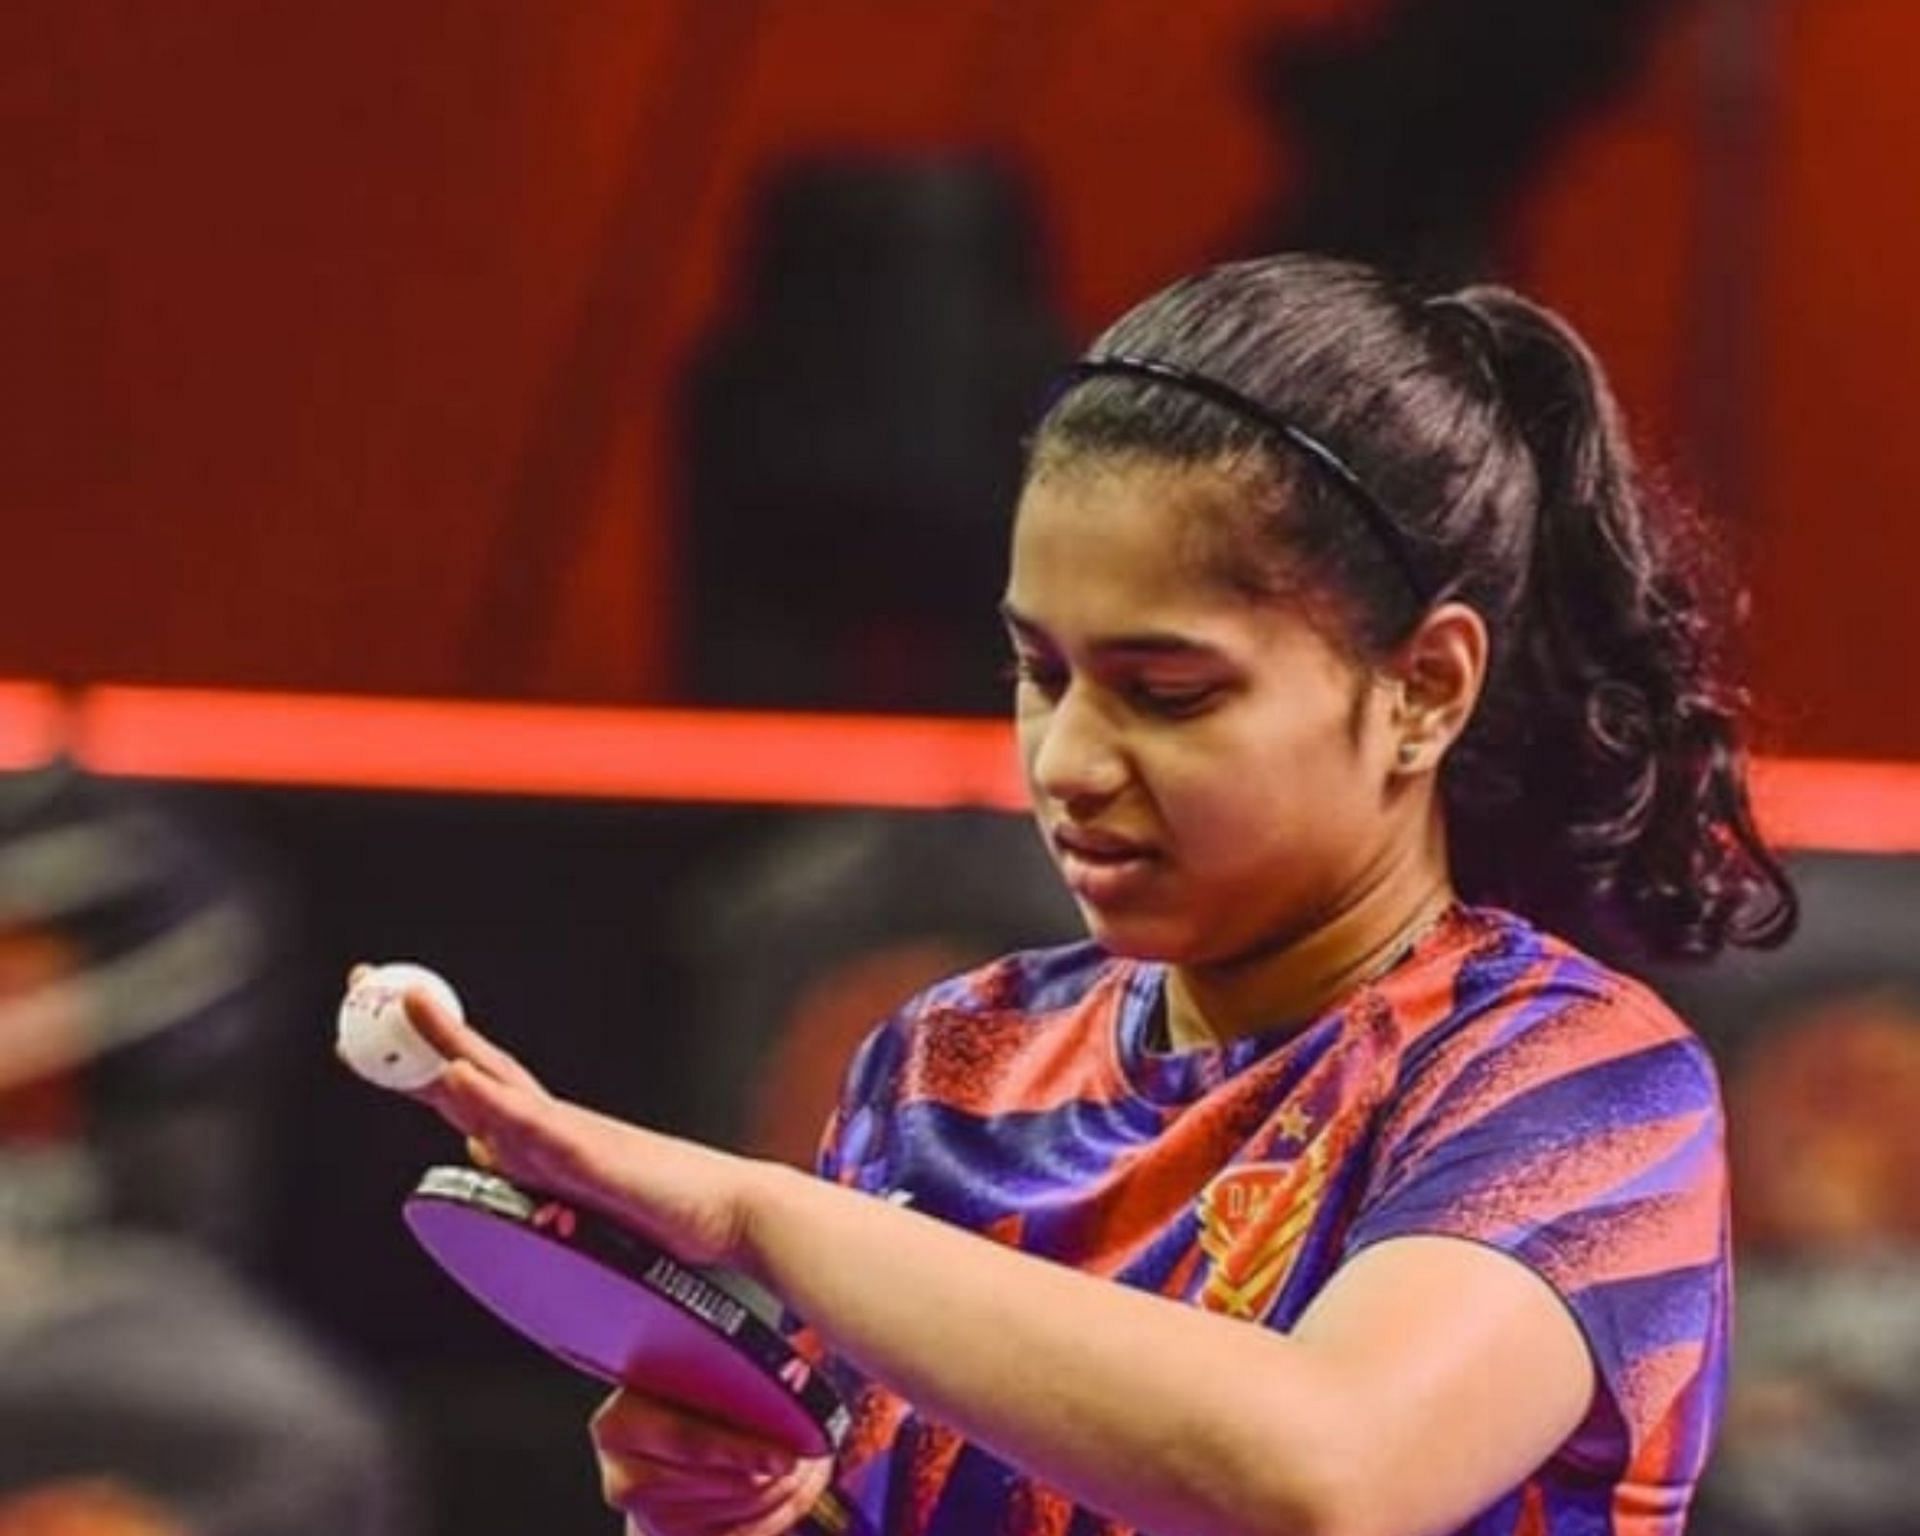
1842 807
697 756
30 724
534 749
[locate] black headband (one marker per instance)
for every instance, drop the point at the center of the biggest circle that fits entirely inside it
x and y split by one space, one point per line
1385 529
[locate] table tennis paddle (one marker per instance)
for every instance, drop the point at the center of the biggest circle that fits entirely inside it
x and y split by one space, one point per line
621 1308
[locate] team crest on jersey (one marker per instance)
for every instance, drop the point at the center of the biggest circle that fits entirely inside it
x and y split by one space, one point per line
1253 1219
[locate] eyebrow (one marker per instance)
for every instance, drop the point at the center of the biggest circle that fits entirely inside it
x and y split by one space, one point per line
1151 642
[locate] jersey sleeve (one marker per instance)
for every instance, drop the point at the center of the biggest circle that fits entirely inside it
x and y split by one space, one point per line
1583 1135
854 1147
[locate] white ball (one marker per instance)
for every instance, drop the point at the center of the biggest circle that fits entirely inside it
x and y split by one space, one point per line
375 1037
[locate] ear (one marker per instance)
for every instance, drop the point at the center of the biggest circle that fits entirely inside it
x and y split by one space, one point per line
1436 673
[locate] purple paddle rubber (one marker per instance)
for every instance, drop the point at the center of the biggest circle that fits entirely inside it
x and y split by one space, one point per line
620 1308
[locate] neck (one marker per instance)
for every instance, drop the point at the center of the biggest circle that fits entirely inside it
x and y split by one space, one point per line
1296 980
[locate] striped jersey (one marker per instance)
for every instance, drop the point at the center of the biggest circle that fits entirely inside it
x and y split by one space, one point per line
1497 1085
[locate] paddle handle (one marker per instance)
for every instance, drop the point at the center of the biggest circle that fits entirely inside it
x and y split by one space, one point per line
832 1515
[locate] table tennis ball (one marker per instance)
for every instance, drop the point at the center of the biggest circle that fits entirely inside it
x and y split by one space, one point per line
375 1037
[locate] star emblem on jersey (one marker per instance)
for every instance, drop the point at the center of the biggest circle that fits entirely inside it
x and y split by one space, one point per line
1294 1122
1253 1218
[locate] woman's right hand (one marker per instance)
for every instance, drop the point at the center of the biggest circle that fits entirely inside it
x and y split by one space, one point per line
672 1472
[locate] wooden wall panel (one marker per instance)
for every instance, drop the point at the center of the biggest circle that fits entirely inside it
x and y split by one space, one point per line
343 339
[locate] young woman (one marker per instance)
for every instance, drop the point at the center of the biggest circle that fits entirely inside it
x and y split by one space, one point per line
1321 1191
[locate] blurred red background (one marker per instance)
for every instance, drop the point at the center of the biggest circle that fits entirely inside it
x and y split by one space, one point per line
344 339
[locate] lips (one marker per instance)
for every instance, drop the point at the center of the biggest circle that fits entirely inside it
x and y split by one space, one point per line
1098 847
1103 869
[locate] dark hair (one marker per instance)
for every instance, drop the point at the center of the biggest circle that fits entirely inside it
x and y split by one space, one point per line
1601 783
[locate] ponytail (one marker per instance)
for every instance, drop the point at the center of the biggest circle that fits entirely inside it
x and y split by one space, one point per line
1604 782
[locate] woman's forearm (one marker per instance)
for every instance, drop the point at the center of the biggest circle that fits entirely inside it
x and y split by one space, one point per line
1365 1418
1153 1412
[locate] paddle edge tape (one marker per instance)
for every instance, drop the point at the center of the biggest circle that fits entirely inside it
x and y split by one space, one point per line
732 1306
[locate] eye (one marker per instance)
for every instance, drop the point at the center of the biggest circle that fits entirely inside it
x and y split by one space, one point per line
1049 678
1173 701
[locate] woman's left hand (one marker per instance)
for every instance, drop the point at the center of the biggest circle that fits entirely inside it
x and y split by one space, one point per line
690 1199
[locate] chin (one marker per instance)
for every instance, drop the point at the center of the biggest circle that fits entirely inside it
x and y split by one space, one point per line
1142 937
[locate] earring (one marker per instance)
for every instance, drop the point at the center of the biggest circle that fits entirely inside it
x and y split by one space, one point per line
1408 754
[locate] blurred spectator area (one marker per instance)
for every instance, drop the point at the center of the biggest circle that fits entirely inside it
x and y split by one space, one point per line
359 330
1819 1049
705 970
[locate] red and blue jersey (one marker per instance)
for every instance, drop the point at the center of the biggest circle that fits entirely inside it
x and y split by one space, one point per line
1498 1086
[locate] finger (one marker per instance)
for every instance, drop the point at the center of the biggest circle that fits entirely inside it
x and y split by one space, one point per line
631 1424
694 1495
532 1137
812 1481
688 1197
472 1102
675 1503
457 1040
530 1132
468 1100
630 1481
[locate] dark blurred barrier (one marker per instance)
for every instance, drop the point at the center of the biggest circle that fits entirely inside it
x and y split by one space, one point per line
1819 1048
852 441
705 969
1420 136
672 963
143 1379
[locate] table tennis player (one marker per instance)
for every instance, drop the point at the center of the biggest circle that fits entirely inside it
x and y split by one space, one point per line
1329 1187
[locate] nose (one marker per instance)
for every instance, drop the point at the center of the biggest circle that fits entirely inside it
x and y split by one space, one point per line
1074 757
